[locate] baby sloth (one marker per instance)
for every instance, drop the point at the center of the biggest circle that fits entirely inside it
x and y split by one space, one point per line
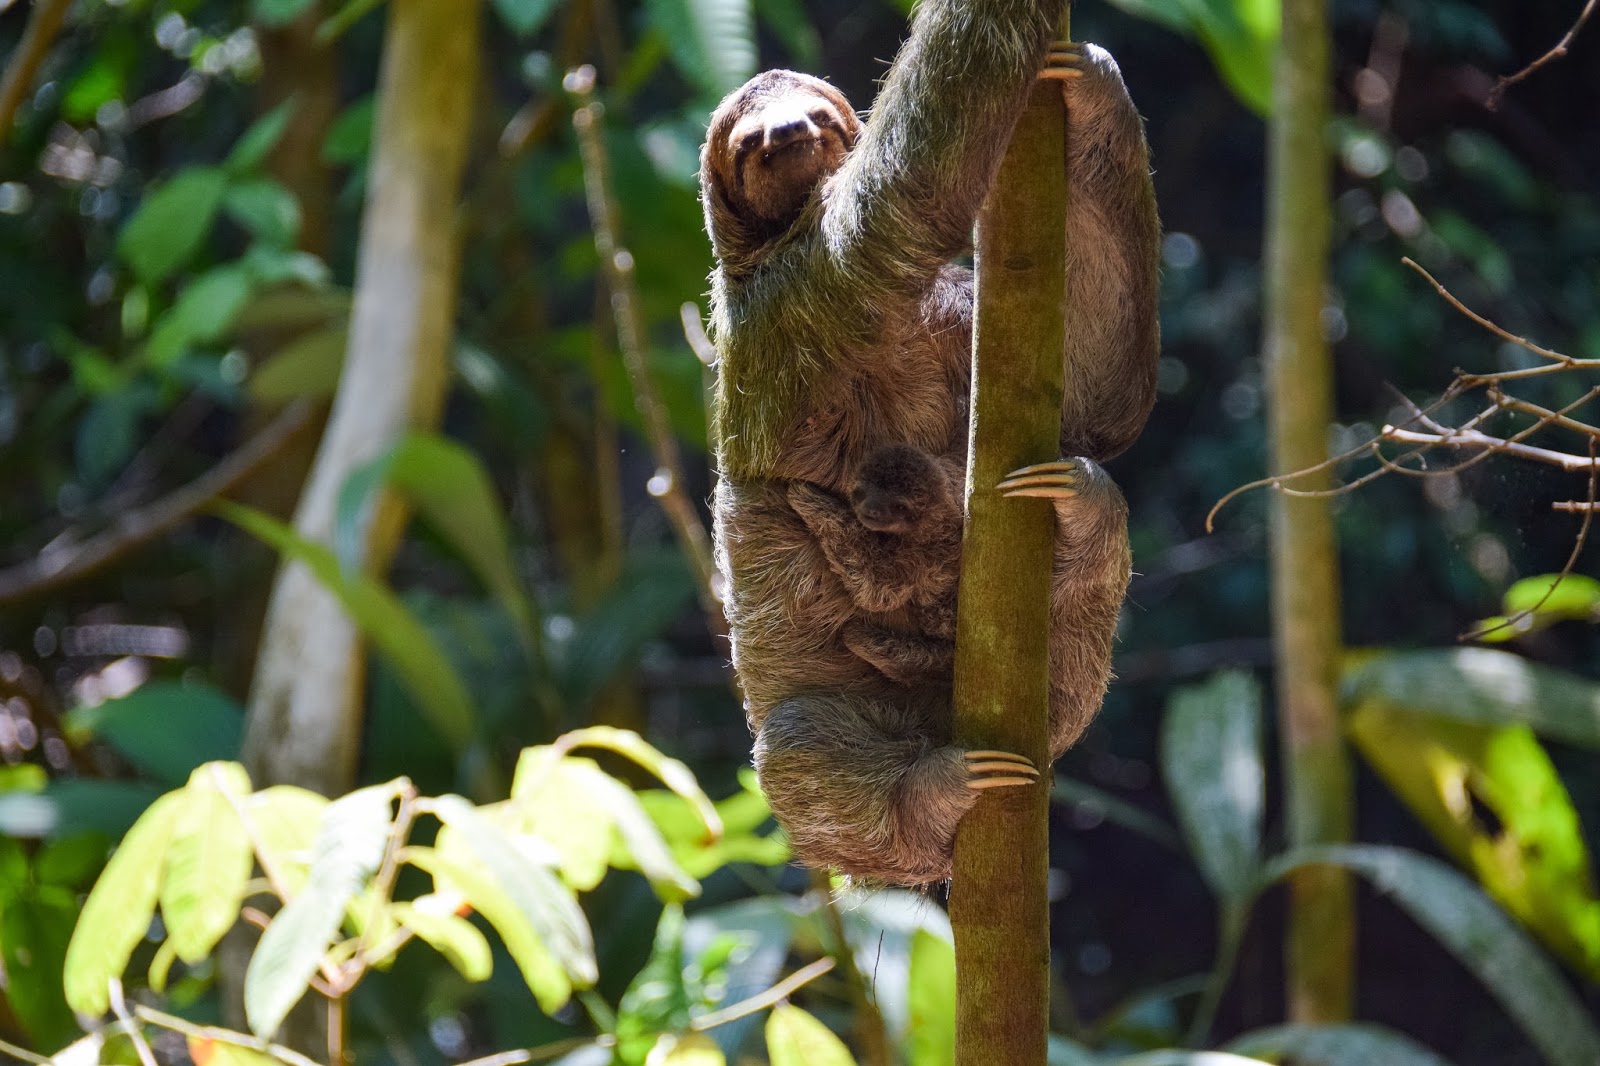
843 329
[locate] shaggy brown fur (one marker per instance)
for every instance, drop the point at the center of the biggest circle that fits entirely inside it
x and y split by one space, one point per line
842 328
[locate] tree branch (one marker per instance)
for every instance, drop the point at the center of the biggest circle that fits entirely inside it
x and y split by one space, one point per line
44 22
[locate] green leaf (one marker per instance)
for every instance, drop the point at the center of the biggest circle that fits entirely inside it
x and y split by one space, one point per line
253 146
457 939
685 1049
453 493
71 861
349 139
34 930
309 366
1529 854
1483 686
279 12
164 728
1240 35
68 805
426 672
1211 760
651 592
349 848
348 15
795 1038
788 21
108 433
931 1038
209 860
170 225
761 930
202 313
284 822
630 745
266 208
524 17
1479 934
657 1000
117 913
1350 1044
712 41
1066 790
539 897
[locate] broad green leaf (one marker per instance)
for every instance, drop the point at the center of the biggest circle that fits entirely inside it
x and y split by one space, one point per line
453 493
1240 35
70 805
1481 937
266 209
209 859
23 777
457 939
931 1038
34 930
548 905
1067 790
645 847
202 314
117 913
464 875
428 676
712 42
1529 855
562 808
109 431
254 145
1574 595
279 12
164 728
170 225
71 861
207 1052
1350 1044
685 1049
349 848
742 814
349 140
1481 685
1211 761
657 1000
795 1038
671 772
308 366
525 17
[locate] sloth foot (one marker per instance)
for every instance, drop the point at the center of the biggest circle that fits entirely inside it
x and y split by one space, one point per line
1052 481
998 769
1063 61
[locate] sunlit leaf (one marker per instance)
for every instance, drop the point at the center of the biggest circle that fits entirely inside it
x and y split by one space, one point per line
209 860
685 1049
1481 937
309 367
117 913
428 676
257 142
1527 847
284 821
164 728
625 742
1484 686
1240 35
1211 761
349 847
712 42
656 1001
207 1052
457 939
171 223
1351 1044
931 1038
795 1038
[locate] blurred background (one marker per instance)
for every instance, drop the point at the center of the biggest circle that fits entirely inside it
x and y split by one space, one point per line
182 186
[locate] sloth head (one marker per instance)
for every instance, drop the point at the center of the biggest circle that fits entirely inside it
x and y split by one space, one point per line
898 489
770 144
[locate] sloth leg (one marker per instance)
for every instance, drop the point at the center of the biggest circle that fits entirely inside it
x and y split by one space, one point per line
906 658
862 559
863 785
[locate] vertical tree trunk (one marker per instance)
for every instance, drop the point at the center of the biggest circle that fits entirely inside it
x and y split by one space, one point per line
998 906
1305 564
305 702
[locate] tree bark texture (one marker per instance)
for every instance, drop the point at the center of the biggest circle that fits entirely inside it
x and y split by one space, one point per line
998 905
305 702
1305 563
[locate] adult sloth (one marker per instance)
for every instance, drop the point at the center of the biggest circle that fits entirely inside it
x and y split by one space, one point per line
842 327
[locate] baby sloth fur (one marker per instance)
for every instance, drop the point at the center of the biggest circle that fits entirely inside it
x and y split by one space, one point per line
843 332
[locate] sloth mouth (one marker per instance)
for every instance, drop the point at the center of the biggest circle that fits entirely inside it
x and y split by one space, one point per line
799 146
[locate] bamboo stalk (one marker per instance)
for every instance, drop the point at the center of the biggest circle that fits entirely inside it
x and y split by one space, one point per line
1305 563
998 904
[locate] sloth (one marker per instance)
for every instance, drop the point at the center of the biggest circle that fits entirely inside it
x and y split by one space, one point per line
843 327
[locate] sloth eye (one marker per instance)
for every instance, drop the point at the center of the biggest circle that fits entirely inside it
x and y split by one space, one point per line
822 117
750 141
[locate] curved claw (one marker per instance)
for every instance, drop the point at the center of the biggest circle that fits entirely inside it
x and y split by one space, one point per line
999 769
980 783
1061 61
1058 480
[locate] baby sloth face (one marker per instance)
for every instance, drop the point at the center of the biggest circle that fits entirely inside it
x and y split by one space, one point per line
773 141
899 489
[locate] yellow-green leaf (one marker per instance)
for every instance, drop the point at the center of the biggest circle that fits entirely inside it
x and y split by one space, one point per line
795 1038
457 939
208 861
685 1049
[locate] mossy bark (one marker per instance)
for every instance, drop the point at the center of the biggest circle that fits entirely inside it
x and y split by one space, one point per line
998 905
1305 563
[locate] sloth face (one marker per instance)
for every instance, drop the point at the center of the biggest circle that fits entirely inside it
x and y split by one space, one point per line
773 141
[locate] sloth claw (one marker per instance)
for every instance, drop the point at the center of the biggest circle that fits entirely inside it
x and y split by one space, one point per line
1062 60
1058 481
998 769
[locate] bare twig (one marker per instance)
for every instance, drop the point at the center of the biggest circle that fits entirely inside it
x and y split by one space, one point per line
543 1053
778 992
22 1054
222 1036
616 262
58 567
119 1007
1503 334
44 22
1560 49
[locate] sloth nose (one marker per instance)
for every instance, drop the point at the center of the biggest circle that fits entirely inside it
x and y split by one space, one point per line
782 133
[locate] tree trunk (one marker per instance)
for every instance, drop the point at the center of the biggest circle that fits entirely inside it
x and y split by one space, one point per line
1305 564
